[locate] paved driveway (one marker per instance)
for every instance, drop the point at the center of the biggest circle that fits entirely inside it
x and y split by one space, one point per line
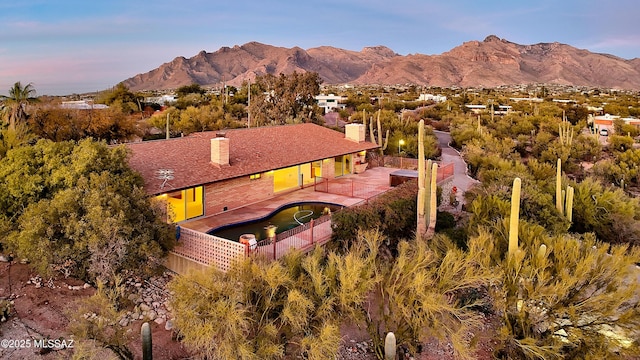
450 155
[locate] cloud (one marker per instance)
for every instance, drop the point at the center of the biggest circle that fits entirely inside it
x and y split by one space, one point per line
626 46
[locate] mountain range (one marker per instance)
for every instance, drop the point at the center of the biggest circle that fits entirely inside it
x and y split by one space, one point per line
488 63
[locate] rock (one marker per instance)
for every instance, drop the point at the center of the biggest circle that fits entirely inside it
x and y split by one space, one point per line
159 321
86 286
138 285
155 304
24 261
168 325
152 315
3 259
144 307
124 322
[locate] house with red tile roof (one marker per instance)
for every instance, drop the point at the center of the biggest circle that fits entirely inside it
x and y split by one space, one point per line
211 172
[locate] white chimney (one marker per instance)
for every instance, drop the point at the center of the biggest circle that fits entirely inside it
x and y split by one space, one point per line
354 132
220 150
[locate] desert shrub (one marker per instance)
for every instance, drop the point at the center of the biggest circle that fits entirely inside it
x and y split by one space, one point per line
574 297
393 213
96 318
606 211
445 220
269 309
421 291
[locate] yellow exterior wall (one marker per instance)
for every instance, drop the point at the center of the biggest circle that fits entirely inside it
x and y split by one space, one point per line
184 204
305 170
285 179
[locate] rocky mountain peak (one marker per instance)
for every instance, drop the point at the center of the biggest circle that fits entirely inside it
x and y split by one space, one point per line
491 62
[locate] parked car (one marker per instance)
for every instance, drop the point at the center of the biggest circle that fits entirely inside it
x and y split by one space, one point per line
604 132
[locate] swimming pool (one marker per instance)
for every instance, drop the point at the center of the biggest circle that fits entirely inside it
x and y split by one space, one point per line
285 218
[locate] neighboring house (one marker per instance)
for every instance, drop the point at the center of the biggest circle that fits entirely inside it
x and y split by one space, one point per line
211 172
161 100
529 99
82 105
330 102
479 109
431 97
476 109
606 121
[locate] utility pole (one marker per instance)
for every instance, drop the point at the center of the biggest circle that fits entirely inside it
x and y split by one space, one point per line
167 125
249 104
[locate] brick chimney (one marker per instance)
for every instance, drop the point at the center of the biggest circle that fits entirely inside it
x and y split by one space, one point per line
220 150
354 132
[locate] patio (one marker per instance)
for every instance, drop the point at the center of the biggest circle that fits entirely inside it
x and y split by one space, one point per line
197 250
376 180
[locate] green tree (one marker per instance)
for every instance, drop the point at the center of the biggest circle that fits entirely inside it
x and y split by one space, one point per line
65 124
286 99
190 89
79 209
122 99
15 105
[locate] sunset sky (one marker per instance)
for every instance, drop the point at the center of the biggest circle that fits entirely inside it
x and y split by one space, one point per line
72 46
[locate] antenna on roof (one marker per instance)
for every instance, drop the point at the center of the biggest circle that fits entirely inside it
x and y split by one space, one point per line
165 175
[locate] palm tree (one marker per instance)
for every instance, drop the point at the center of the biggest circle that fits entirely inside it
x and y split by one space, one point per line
15 104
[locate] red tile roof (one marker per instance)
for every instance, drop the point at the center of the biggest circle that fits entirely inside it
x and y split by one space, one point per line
251 151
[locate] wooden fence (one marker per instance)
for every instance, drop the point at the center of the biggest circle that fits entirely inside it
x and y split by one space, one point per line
196 249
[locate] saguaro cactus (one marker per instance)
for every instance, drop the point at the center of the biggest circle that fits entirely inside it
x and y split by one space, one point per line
514 217
565 131
364 119
427 186
146 342
390 346
433 199
559 186
569 203
542 252
564 199
381 142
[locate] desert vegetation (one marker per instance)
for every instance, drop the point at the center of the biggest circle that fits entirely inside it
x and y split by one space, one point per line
556 277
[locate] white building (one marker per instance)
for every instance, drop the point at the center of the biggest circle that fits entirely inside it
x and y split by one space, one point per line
330 102
431 97
82 105
161 100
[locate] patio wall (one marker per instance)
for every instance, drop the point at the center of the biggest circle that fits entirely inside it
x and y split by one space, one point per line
197 250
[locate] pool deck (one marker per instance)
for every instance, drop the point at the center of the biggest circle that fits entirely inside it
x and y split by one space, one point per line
377 180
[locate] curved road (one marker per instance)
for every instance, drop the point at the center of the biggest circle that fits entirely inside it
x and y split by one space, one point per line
450 155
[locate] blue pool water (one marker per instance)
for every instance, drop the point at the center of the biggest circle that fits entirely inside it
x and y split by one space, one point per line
284 218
